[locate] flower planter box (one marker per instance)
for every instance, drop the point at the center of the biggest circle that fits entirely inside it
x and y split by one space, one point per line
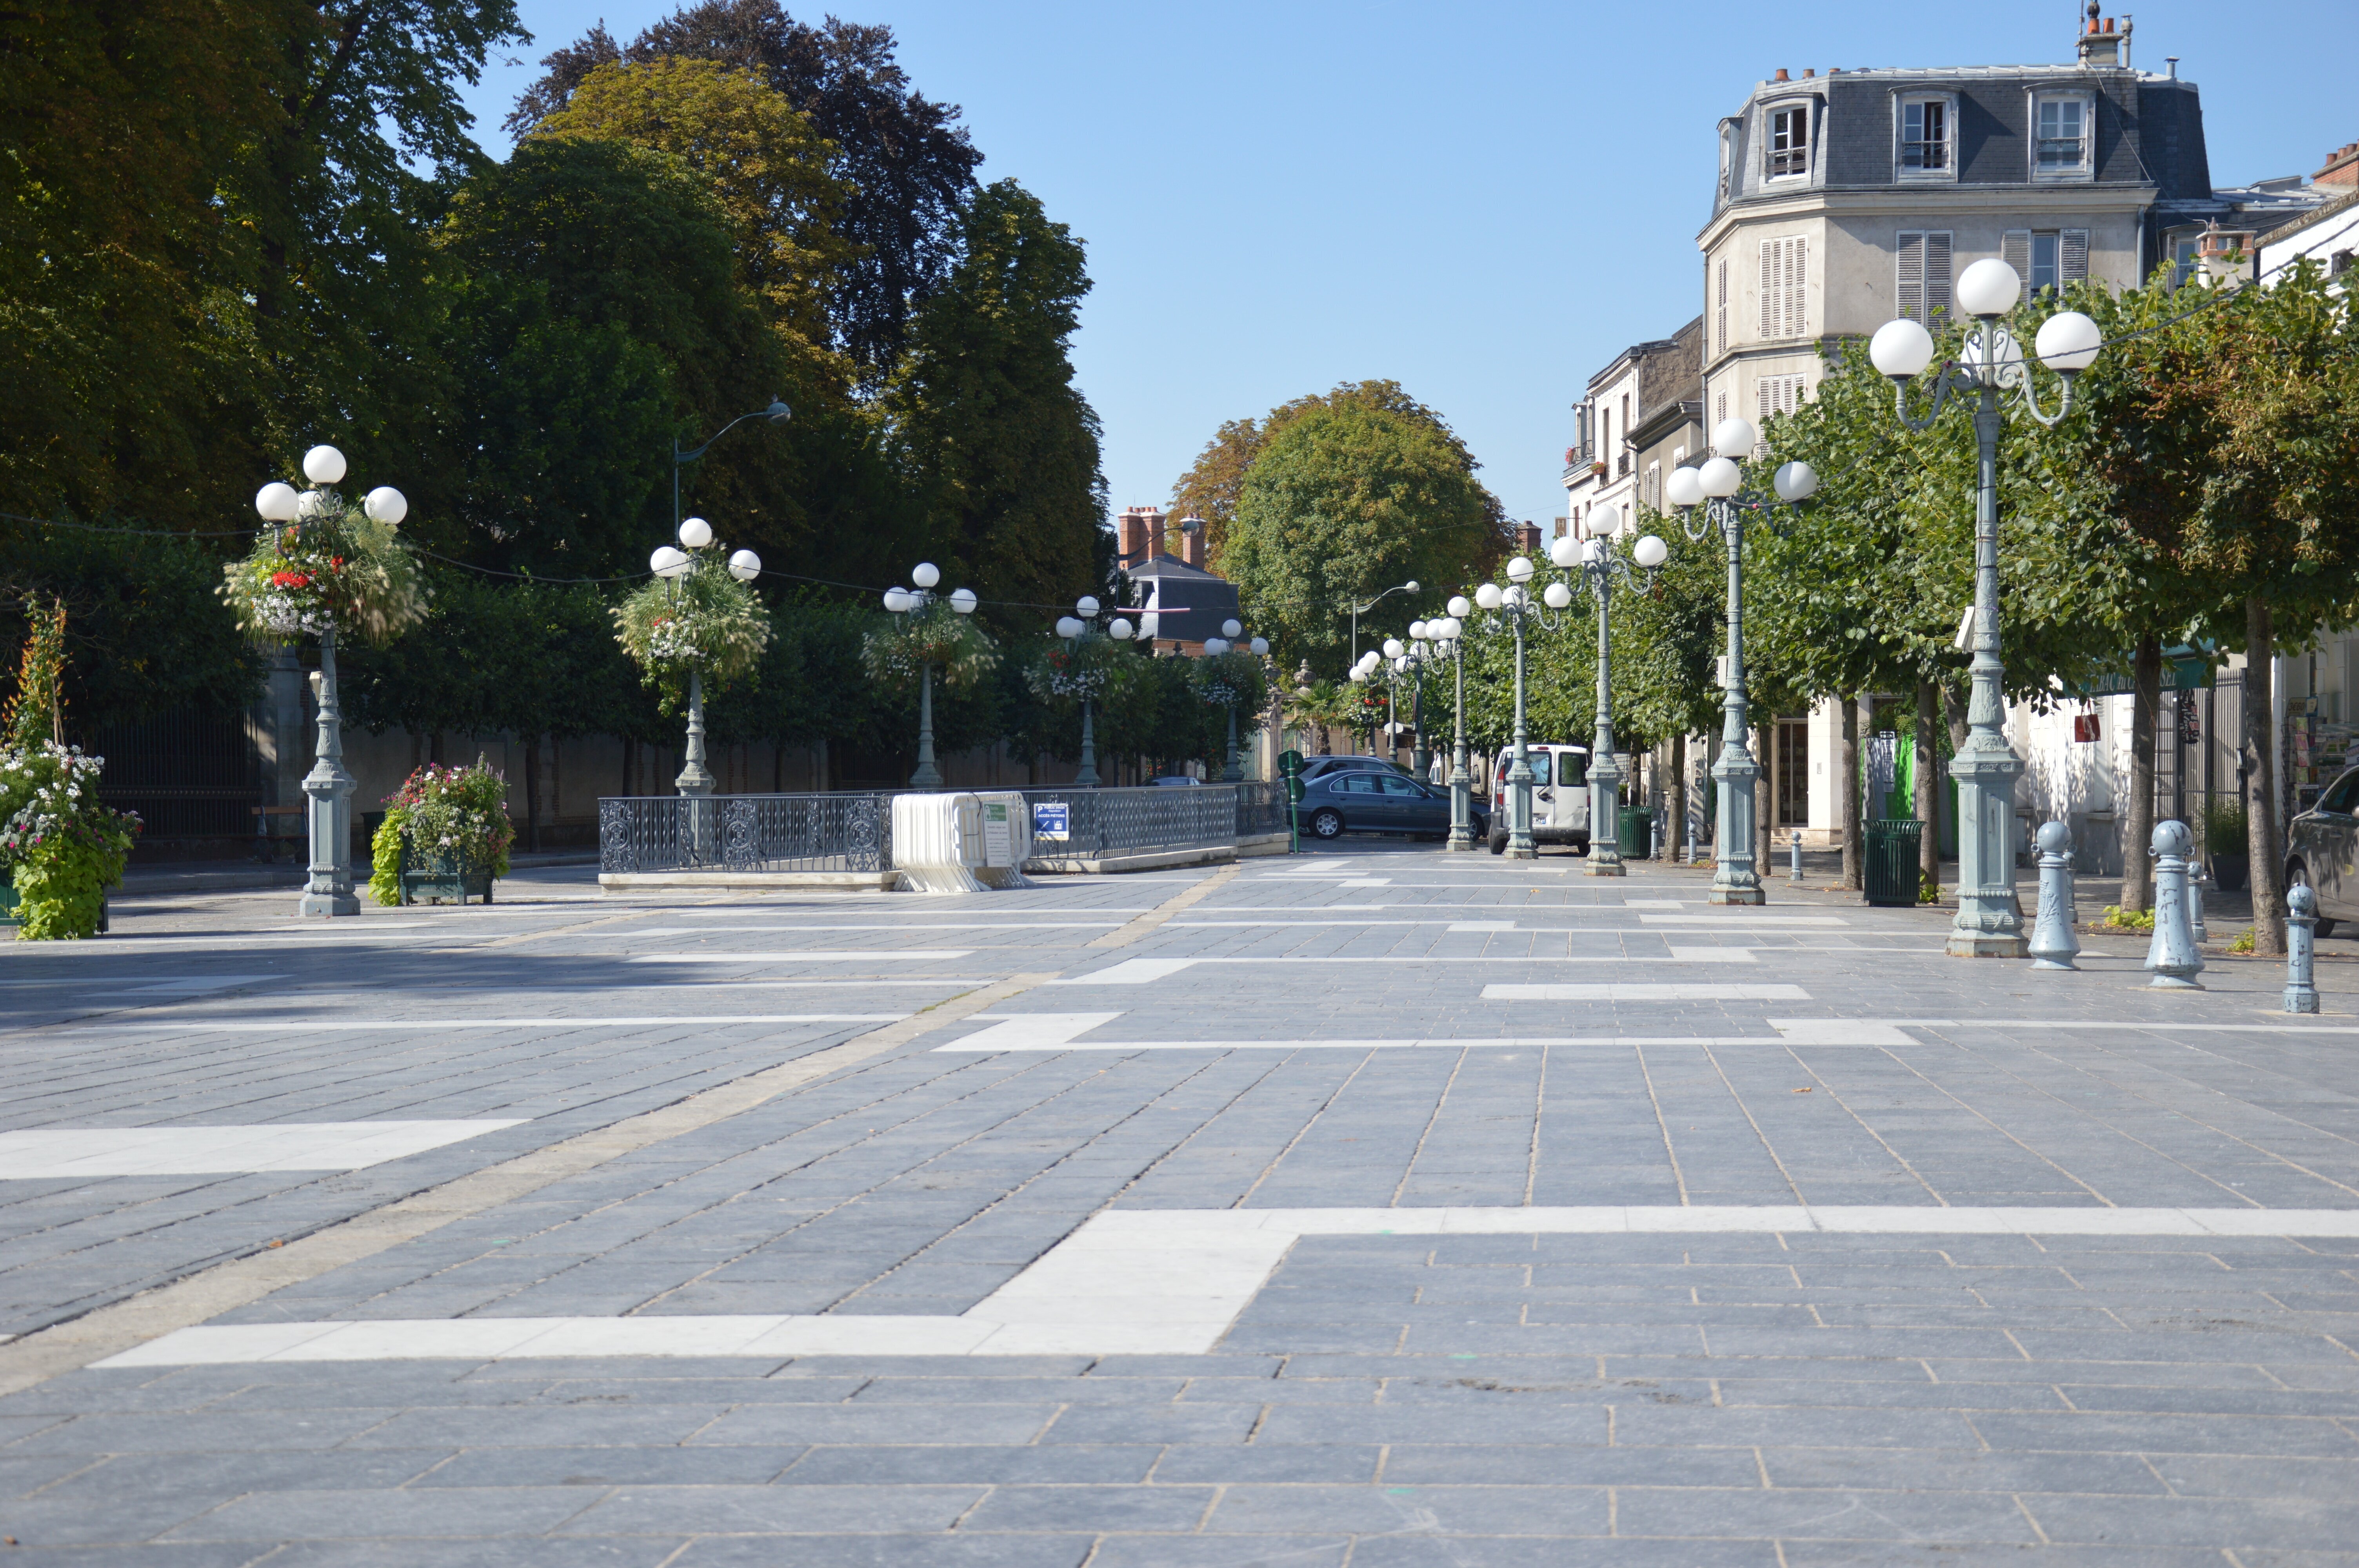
443 878
11 914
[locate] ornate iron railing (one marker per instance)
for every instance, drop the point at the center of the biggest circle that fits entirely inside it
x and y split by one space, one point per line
854 831
848 832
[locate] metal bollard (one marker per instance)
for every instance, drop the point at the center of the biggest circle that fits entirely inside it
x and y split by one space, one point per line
2053 944
2195 881
2172 955
1795 876
1691 841
2302 937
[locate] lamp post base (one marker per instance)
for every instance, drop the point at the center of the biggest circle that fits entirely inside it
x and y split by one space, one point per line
1735 895
1990 917
328 904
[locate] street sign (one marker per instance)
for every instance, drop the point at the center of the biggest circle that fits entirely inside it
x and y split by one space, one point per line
1052 820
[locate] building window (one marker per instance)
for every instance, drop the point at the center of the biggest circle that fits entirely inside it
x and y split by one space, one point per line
1779 394
1789 141
2047 258
1784 269
1720 324
1925 135
1654 490
1793 767
2060 142
1727 159
2183 260
1921 283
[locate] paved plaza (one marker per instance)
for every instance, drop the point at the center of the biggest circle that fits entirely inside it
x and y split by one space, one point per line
1372 1208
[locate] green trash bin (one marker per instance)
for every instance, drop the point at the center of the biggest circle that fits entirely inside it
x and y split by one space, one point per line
1638 824
1893 877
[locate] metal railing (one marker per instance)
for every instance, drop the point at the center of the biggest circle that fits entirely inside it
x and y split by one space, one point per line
847 832
854 831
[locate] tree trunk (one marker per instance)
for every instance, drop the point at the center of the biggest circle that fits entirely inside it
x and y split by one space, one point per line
532 792
1675 831
1765 798
2267 849
2138 821
1848 804
1928 801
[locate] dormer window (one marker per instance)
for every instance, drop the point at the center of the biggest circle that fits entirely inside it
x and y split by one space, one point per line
1925 135
2060 136
1788 150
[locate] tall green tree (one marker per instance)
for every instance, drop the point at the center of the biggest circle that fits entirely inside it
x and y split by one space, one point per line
998 445
1343 501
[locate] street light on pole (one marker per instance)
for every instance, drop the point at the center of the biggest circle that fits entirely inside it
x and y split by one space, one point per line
1988 924
1513 605
911 601
1077 630
1231 771
1599 563
1450 631
671 565
1736 879
1358 610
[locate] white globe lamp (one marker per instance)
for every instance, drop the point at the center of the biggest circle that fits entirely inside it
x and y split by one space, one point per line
387 505
1797 480
1651 552
1735 438
1683 489
744 565
1489 597
1557 596
1564 552
963 601
695 533
896 599
277 503
2068 343
1900 348
1458 608
1989 288
1720 478
323 465
926 574
1519 570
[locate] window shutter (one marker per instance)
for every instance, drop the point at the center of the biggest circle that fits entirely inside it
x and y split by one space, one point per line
1937 278
1769 295
1721 323
2073 255
1783 264
1908 285
2014 249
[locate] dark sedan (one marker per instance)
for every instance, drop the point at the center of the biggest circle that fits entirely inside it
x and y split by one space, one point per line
1368 801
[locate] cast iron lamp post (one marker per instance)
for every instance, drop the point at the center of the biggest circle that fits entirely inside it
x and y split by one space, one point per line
329 788
1450 634
1736 879
907 601
1358 610
1600 564
1514 605
1231 771
776 413
671 564
1077 629
1988 925
1422 649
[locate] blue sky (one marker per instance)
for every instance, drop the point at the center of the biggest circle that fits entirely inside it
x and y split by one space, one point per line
1483 202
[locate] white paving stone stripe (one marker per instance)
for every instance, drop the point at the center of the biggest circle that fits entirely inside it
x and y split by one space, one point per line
1608 990
1149 969
1057 1032
548 1021
815 954
51 1154
1148 1281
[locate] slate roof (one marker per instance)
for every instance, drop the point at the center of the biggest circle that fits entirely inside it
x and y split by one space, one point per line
1194 602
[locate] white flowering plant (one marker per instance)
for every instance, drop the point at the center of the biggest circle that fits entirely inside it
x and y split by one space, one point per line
704 620
336 567
63 846
898 646
454 816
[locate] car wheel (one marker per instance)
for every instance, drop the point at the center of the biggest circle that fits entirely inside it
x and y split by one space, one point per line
1326 824
1498 843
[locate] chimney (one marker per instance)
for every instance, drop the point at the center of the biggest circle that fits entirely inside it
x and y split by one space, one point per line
2098 43
1140 534
2341 169
1192 545
1781 75
1527 538
2225 253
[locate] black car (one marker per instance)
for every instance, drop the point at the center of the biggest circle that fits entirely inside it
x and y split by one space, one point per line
1373 800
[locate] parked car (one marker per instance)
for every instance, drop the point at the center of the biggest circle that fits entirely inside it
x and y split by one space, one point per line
1560 796
1374 800
1318 767
2322 850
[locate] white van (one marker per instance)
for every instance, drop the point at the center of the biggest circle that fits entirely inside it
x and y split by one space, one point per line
1560 796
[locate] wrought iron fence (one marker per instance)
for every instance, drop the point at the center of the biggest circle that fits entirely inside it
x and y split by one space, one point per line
188 777
1102 822
844 832
854 831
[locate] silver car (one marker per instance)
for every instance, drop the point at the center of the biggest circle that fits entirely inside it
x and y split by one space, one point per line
2322 850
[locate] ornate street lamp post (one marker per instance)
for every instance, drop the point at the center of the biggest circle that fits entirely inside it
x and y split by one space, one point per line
672 564
1737 877
1078 629
905 601
1599 563
1450 634
1231 771
1411 658
1359 609
1988 924
1513 604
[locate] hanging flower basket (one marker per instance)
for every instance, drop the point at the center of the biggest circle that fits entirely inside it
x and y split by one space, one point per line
1230 680
961 652
445 836
334 566
1070 672
704 620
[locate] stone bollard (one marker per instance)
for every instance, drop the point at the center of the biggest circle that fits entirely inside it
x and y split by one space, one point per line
2301 935
2172 955
1795 875
2053 944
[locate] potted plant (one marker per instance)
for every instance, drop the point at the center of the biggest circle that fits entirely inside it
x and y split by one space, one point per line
62 847
445 837
2226 843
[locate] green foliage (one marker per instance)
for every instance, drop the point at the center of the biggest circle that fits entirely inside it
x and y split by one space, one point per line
997 444
37 712
454 814
336 567
64 846
2227 827
1232 680
1343 501
1062 672
703 619
2114 918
